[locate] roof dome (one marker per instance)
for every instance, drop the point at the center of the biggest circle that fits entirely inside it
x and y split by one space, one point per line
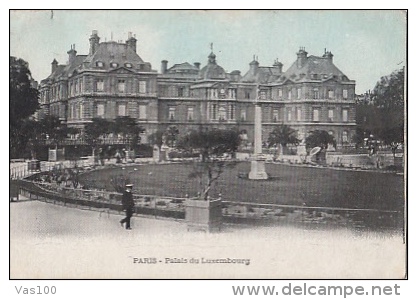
212 70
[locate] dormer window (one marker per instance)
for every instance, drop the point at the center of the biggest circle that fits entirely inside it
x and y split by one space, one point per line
113 64
129 65
99 64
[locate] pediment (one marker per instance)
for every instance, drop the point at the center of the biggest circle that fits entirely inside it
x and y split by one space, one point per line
331 80
221 85
122 70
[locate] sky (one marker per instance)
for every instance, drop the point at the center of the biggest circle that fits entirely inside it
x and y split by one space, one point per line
366 44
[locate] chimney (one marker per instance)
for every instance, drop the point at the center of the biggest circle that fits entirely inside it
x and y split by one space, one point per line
197 65
54 65
328 55
131 41
235 76
278 65
253 66
164 66
301 57
94 41
72 54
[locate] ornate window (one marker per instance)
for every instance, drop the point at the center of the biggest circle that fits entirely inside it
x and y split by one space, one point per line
344 136
121 85
289 114
190 113
180 92
213 111
298 114
331 115
222 113
316 114
171 113
121 110
142 111
316 93
275 115
232 111
99 85
345 115
142 87
243 114
81 110
345 93
100 110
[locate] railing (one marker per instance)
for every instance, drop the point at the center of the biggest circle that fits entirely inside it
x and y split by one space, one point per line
82 141
233 212
23 169
360 219
156 206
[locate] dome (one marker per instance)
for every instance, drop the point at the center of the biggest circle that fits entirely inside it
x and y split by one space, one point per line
212 70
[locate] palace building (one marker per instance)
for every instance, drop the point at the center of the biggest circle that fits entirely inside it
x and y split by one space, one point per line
113 80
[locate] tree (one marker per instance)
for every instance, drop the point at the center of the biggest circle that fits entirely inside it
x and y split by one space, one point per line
23 102
319 138
156 138
119 182
385 113
212 145
129 129
54 130
283 135
171 135
23 98
28 135
93 131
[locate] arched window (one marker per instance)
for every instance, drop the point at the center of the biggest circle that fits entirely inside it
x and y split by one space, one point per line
222 113
345 136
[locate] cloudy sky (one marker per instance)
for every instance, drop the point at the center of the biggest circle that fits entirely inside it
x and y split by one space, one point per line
366 44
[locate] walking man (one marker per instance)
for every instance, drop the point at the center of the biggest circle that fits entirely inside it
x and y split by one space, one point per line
128 205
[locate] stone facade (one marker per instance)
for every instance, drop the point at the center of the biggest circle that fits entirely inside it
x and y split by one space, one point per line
113 80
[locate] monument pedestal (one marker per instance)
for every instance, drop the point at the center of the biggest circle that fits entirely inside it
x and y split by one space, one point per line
257 169
203 215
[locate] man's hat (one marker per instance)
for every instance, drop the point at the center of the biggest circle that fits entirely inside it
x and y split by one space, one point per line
129 185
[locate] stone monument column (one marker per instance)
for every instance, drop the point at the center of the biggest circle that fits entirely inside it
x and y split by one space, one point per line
257 171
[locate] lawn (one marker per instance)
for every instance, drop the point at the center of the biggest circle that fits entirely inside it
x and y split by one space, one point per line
287 185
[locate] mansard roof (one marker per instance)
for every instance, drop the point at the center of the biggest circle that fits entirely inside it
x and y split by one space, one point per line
314 68
264 74
113 52
66 70
111 55
182 70
180 67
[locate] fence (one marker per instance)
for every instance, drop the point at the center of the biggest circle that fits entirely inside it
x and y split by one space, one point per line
21 170
102 201
233 212
270 214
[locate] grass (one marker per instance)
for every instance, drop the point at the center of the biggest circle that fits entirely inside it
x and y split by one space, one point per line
287 185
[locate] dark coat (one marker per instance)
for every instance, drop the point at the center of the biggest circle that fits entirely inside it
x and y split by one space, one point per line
127 200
